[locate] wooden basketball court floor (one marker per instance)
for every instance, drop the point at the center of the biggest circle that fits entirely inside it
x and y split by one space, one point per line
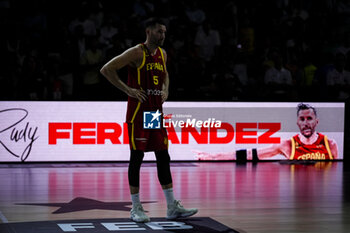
260 197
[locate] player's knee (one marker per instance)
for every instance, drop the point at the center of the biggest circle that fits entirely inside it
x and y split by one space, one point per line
136 158
163 167
164 177
162 156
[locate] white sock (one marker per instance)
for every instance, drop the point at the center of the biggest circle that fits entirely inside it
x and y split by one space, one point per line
169 195
135 199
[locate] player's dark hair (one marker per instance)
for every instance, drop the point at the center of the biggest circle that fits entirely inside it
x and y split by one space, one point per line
303 106
152 22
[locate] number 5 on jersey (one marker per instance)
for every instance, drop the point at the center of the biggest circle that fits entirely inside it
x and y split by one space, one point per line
155 80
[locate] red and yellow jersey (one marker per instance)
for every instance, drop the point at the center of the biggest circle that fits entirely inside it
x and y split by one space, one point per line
149 76
317 151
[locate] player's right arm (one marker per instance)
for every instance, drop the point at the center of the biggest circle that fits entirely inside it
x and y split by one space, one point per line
284 148
201 155
132 57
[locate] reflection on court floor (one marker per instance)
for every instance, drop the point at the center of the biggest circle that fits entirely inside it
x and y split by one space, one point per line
244 197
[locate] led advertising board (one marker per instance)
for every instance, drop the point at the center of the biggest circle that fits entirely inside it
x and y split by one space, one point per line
96 131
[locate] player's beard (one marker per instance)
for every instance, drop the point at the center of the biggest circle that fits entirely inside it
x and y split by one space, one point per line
157 42
307 132
160 42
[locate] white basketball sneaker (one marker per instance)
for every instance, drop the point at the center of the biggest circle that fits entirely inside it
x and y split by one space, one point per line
176 210
137 214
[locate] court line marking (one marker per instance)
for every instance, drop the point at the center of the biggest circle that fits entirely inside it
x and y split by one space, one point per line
3 218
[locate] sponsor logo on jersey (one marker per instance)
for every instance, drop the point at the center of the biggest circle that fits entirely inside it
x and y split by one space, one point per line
154 92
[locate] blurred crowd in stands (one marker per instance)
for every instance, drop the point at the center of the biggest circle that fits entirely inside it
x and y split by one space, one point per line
227 50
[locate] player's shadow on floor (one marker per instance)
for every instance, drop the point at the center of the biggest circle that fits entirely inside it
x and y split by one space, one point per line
81 203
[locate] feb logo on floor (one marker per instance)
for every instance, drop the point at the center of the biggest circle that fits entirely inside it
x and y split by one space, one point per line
159 225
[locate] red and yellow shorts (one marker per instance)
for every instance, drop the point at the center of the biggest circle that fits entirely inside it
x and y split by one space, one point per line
147 139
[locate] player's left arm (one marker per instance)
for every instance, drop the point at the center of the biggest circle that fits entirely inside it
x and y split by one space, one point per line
165 87
333 146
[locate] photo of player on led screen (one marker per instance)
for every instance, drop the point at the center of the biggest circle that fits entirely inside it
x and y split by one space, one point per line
308 144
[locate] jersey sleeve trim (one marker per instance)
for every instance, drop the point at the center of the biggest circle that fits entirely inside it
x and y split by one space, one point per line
141 66
327 147
293 149
161 53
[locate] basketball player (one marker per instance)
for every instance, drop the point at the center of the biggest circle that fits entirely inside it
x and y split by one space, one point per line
147 89
307 145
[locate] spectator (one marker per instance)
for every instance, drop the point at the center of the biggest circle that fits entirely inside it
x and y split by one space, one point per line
195 15
240 68
198 52
91 61
61 79
107 32
208 41
338 79
345 44
230 87
88 26
33 83
278 80
143 8
246 37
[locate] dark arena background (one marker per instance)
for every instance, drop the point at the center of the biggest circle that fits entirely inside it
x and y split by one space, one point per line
238 70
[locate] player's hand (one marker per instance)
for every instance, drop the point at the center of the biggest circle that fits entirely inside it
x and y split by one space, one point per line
165 94
140 95
201 155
